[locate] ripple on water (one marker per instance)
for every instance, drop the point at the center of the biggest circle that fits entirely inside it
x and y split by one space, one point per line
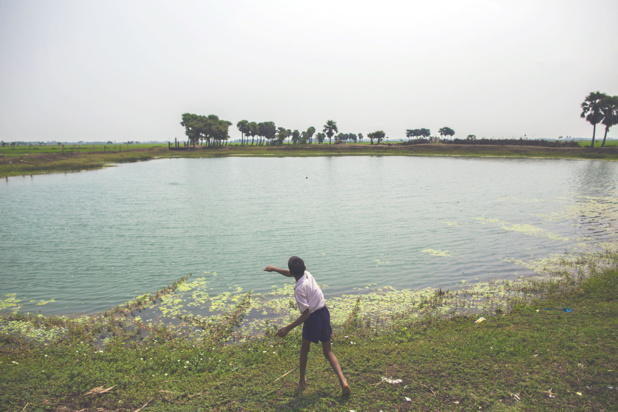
96 239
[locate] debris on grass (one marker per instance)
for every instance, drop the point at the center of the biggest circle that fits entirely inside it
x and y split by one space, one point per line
550 394
389 380
285 374
99 390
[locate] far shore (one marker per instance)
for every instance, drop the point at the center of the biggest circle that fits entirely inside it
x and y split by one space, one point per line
78 158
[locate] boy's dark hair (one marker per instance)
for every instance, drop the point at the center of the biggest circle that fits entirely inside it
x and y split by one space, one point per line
296 266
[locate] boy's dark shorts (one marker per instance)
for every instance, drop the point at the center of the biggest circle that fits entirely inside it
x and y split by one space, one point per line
317 327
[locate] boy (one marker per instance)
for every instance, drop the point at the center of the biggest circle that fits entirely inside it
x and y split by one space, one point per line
314 317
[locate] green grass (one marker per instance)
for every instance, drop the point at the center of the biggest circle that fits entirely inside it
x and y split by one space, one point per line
51 159
598 142
25 150
523 358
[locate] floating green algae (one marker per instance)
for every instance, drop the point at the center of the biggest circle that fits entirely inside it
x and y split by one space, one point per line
11 303
434 252
44 302
30 330
532 230
187 310
234 316
576 265
526 229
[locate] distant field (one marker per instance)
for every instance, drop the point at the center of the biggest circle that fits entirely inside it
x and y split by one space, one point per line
38 159
597 143
19 151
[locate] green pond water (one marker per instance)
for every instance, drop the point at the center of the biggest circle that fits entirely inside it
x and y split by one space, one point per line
86 242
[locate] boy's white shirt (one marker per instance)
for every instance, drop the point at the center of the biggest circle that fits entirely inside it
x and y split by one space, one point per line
308 294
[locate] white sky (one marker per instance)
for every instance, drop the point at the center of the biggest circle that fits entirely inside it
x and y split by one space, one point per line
126 70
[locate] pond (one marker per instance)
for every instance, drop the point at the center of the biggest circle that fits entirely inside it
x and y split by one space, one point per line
85 242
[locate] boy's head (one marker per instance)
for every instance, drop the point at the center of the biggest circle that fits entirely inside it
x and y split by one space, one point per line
296 266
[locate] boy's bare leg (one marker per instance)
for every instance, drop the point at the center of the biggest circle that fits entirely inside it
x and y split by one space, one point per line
304 353
334 363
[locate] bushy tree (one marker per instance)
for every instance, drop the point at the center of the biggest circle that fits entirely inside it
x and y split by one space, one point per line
192 125
209 128
344 137
282 133
267 130
418 133
446 131
379 135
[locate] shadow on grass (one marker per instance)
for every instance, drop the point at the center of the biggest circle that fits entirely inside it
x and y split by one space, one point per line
312 400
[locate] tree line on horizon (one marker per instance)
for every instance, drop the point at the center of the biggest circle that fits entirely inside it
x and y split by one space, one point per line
596 108
214 131
600 108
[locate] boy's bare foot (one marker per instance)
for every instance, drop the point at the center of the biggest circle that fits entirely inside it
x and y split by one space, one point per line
345 390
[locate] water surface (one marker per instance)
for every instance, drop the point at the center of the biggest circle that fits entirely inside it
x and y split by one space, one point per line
95 239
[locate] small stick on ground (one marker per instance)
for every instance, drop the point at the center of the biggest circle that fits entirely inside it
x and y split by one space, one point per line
146 404
433 393
425 386
285 374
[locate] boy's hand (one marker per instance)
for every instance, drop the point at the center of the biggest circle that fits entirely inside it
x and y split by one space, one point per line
282 332
284 272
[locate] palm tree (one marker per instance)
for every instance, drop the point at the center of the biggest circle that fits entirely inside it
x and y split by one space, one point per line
295 136
310 132
609 108
330 128
243 128
591 110
253 131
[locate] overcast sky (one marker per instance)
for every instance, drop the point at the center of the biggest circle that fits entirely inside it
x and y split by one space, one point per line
127 70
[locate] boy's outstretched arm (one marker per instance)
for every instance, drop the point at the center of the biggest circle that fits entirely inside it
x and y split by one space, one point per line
286 329
284 272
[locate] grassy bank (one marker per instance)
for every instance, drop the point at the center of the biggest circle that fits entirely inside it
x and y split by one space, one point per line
528 355
23 161
30 161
